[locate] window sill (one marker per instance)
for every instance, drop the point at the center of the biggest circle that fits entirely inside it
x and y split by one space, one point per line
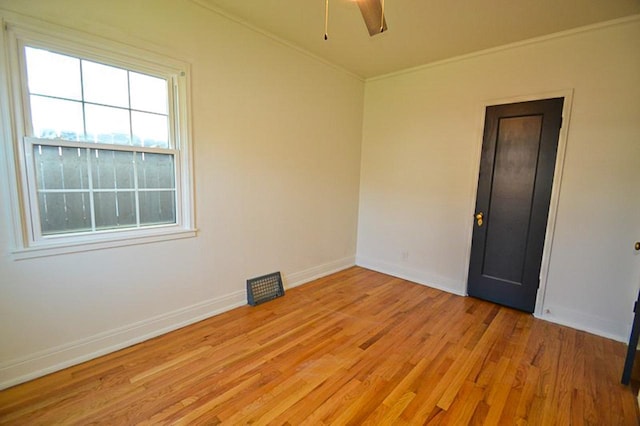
59 249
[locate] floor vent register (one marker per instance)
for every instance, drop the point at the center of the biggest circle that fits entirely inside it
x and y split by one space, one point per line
264 288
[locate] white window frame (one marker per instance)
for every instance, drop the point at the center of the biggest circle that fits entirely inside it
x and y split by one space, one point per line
18 144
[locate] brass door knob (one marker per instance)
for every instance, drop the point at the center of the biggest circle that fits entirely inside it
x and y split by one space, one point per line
638 246
480 218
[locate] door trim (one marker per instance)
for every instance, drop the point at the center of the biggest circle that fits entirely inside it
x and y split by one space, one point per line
567 94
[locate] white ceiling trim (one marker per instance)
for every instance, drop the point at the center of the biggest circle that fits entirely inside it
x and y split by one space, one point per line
535 40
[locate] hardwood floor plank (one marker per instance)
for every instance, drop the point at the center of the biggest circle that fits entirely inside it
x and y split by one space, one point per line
333 406
528 393
355 347
466 402
169 365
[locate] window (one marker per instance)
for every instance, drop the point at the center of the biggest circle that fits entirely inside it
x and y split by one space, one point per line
101 141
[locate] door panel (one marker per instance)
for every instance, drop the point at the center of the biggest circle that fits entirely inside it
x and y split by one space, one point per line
516 156
514 192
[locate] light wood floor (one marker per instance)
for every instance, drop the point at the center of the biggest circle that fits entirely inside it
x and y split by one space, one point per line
357 347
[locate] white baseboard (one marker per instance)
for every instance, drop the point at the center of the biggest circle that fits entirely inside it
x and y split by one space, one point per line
38 364
53 359
585 322
564 316
414 275
298 278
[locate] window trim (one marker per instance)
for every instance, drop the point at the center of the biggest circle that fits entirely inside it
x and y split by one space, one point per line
14 116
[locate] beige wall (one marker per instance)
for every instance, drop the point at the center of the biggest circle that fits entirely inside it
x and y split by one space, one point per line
276 139
422 132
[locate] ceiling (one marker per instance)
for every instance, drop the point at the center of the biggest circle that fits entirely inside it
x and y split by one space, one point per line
420 31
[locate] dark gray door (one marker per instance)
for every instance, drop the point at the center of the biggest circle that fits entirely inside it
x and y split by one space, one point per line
514 191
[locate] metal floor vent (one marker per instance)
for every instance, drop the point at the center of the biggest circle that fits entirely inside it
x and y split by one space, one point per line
264 288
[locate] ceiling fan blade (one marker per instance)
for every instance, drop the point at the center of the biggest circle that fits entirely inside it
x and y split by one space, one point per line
372 13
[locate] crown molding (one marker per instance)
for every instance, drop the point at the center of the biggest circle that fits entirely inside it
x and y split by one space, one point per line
515 45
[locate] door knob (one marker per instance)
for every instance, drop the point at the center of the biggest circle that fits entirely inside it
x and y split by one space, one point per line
480 218
637 246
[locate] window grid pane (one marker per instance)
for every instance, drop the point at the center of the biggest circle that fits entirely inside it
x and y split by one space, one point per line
88 189
53 74
56 118
105 124
105 85
64 212
148 93
157 207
